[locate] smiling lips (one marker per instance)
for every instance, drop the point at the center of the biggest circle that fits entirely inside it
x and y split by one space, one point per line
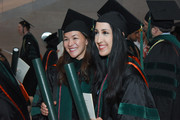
72 49
101 47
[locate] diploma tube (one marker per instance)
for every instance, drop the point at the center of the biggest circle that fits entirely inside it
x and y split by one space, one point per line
60 35
44 87
14 60
76 92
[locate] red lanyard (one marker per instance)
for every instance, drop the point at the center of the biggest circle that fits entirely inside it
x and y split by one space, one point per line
48 59
130 63
59 102
99 101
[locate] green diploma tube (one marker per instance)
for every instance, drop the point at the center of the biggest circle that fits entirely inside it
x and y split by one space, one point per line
76 92
60 35
14 60
44 87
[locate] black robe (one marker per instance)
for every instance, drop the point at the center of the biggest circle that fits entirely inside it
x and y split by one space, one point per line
133 102
162 66
50 58
29 48
13 105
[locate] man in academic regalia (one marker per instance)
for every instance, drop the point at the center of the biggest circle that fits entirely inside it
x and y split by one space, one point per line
13 105
162 64
29 51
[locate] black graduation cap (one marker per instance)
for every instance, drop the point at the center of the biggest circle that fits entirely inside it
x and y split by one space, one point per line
52 40
77 21
25 23
114 18
51 37
133 23
164 12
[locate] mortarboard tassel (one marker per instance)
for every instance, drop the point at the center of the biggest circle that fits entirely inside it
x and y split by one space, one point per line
141 47
149 28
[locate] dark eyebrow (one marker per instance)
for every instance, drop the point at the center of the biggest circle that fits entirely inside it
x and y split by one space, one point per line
103 29
72 35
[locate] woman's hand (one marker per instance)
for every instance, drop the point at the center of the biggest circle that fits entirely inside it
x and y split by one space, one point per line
97 118
44 109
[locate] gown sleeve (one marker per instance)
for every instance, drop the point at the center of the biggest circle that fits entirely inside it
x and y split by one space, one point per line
137 102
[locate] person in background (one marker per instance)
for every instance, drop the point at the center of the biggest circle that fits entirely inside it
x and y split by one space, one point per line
162 63
145 42
13 103
131 39
50 56
49 61
120 91
29 51
77 49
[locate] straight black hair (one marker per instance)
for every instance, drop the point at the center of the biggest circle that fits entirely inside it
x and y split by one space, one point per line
114 65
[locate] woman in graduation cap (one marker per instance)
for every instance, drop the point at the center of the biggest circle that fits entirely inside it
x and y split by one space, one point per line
120 91
13 103
77 49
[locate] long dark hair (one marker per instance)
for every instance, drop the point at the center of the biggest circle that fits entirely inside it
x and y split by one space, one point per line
114 67
66 58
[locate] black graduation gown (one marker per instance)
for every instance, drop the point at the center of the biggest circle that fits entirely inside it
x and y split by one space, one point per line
28 49
50 57
13 105
162 66
134 101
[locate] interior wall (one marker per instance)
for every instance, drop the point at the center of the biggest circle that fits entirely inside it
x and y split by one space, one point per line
48 15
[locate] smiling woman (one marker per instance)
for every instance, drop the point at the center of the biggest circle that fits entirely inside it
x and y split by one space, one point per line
119 90
75 44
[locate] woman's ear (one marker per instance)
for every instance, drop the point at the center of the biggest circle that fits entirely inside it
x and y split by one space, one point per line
86 41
